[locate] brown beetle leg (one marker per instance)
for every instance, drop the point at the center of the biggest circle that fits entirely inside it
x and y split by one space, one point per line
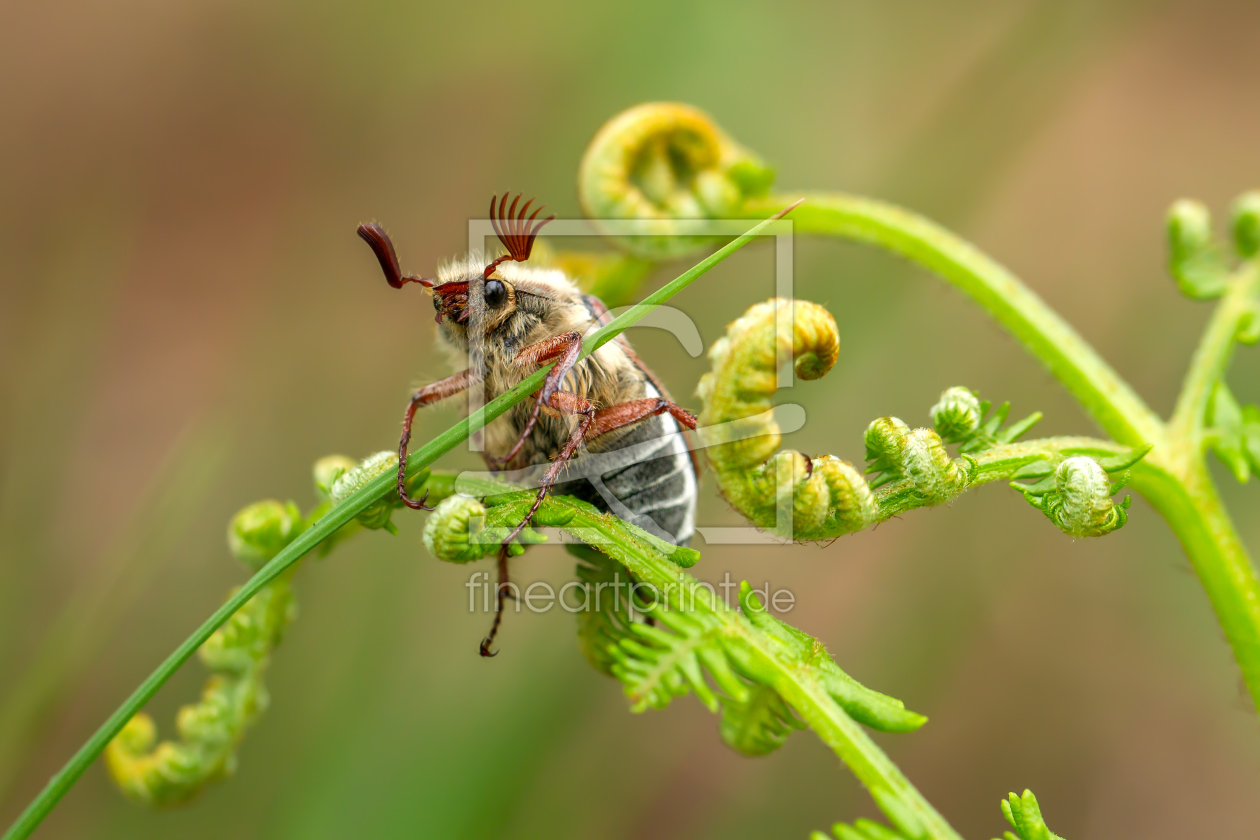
500 593
564 349
595 423
427 395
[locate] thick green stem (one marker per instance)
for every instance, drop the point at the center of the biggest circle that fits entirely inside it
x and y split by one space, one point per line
1189 503
855 748
796 682
1212 358
1173 477
1178 484
1102 392
1001 462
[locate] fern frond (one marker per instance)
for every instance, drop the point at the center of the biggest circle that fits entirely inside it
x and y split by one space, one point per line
1024 815
657 666
175 771
860 829
675 655
605 620
876 710
961 417
760 724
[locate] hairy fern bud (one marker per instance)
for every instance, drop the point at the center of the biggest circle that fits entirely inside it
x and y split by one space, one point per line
1086 509
1189 227
957 414
1194 259
1077 498
452 530
885 440
326 472
917 456
259 532
376 515
1246 224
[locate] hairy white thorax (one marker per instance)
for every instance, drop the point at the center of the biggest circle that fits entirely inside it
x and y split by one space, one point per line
545 303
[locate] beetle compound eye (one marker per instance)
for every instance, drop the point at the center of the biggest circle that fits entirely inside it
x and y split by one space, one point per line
496 293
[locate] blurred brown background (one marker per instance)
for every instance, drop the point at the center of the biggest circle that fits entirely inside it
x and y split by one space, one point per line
187 321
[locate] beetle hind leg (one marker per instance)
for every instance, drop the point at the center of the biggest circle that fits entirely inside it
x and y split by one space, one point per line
500 595
566 403
594 424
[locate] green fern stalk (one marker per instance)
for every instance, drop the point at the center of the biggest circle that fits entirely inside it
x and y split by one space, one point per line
1175 479
664 163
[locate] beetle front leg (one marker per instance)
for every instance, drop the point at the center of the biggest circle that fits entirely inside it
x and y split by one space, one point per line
431 393
564 349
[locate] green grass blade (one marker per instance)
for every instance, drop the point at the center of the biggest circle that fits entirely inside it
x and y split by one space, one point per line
122 571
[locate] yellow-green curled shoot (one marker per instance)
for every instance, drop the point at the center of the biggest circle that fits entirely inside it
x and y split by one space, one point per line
826 496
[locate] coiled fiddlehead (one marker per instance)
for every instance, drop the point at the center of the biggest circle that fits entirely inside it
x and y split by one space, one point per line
174 771
957 415
1198 262
1077 497
452 532
1195 260
786 492
961 417
456 531
819 498
825 496
915 456
661 163
345 483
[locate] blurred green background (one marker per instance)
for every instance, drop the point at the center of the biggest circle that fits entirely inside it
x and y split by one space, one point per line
187 321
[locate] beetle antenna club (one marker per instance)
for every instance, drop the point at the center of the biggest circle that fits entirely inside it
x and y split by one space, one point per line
378 240
516 232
